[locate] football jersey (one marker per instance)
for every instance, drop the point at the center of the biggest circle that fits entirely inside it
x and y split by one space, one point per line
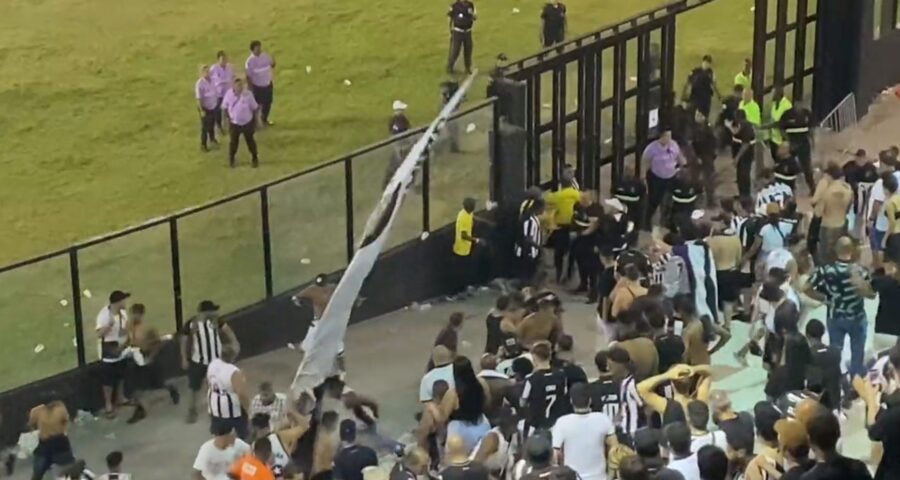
545 398
605 397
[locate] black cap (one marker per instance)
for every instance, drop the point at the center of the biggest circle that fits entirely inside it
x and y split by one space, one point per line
348 430
707 58
208 306
646 442
117 296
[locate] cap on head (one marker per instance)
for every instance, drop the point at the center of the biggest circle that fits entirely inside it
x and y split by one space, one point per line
207 306
398 106
117 296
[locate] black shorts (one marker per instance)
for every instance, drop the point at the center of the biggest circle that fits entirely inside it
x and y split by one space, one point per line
730 283
196 374
111 373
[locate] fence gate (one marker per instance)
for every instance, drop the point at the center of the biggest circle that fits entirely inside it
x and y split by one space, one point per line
596 99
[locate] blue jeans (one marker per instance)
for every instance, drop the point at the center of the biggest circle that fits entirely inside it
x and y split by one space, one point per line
841 324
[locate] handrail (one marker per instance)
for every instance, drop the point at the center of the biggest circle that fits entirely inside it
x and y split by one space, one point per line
156 221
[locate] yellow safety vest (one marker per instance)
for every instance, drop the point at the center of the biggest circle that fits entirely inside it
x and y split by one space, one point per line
742 80
754 115
779 109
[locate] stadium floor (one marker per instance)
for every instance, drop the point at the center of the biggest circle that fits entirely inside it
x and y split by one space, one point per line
386 357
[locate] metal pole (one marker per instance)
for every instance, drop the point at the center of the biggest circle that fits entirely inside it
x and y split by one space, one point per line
266 238
781 14
426 190
760 25
497 150
76 306
800 48
348 199
176 274
619 65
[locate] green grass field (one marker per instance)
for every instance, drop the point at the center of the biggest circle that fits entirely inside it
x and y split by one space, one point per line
100 133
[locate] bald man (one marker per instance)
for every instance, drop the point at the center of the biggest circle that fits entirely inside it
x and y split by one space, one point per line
458 465
723 414
845 285
413 465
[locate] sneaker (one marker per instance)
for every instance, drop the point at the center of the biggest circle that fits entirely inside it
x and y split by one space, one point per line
173 394
192 415
139 414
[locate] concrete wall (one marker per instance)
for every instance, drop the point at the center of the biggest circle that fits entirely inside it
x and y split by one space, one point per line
414 271
878 64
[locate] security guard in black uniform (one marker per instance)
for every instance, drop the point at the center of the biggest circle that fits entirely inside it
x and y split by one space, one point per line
631 191
585 248
730 105
796 123
743 139
684 196
553 18
701 86
705 148
787 168
462 19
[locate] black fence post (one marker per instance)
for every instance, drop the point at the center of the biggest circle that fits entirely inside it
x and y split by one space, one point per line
619 87
760 27
76 306
266 238
348 198
426 190
800 49
496 150
176 273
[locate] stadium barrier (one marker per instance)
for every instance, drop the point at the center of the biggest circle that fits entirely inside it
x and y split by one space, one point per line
842 116
248 252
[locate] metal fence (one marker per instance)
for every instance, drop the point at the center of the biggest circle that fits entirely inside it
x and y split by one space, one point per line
237 251
842 116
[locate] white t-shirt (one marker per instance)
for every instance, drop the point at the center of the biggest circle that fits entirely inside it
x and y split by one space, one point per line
118 332
877 193
778 258
767 309
774 237
687 466
582 439
715 438
444 373
213 463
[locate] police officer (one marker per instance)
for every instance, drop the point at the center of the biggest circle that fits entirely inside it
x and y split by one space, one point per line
631 191
684 199
702 86
730 104
704 143
743 139
787 168
398 125
553 18
585 247
796 124
462 19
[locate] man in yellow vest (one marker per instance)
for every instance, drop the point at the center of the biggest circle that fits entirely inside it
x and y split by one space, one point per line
780 105
753 114
464 241
563 203
743 77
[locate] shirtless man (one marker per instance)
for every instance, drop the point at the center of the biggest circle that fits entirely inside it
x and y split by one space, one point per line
831 202
143 373
52 423
284 441
316 296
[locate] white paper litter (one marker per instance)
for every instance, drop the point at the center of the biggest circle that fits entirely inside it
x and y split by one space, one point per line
470 128
64 302
515 10
87 293
305 261
309 69
424 235
347 82
75 342
39 348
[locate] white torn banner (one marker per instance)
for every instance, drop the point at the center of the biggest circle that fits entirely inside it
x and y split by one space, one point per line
326 340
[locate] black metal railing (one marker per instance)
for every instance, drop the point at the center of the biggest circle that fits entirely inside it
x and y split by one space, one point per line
238 250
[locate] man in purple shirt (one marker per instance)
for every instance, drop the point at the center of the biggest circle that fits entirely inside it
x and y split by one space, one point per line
240 107
222 74
664 159
207 104
259 68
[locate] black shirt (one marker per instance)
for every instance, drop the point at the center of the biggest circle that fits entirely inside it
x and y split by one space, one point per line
705 143
730 105
554 17
560 472
545 398
400 472
399 124
796 472
684 194
605 396
739 427
796 118
744 136
839 468
494 335
462 15
702 81
886 320
886 429
825 371
630 190
787 170
670 348
467 471
350 462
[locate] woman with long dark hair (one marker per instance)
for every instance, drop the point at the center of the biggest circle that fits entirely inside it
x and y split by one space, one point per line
464 405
